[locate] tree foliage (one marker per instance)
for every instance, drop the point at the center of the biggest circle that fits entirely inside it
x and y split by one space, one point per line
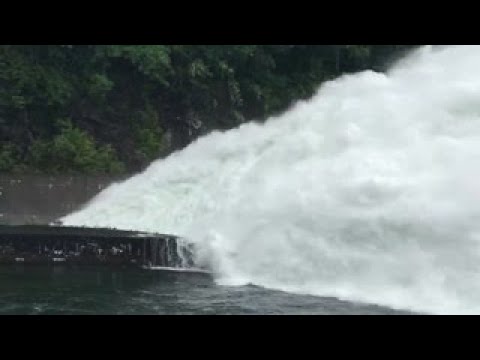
128 104
73 150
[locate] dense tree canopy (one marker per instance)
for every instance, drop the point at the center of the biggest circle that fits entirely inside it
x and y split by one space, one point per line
115 108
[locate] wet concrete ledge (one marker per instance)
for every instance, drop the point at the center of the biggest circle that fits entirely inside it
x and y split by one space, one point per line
44 244
74 231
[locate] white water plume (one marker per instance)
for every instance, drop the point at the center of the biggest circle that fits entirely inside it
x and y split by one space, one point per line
368 192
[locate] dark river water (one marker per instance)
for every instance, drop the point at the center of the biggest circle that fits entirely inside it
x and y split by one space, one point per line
96 290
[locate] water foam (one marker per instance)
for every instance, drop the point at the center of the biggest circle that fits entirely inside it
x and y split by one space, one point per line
368 192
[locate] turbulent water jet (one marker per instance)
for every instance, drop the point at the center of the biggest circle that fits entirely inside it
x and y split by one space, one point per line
367 192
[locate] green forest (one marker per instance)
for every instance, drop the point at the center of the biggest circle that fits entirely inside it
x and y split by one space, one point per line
112 109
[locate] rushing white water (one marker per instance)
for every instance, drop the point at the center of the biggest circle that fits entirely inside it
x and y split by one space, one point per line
368 192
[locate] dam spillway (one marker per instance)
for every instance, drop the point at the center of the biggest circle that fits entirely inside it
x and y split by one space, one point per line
42 244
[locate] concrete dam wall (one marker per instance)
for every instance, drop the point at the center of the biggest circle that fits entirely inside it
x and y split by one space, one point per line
40 199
